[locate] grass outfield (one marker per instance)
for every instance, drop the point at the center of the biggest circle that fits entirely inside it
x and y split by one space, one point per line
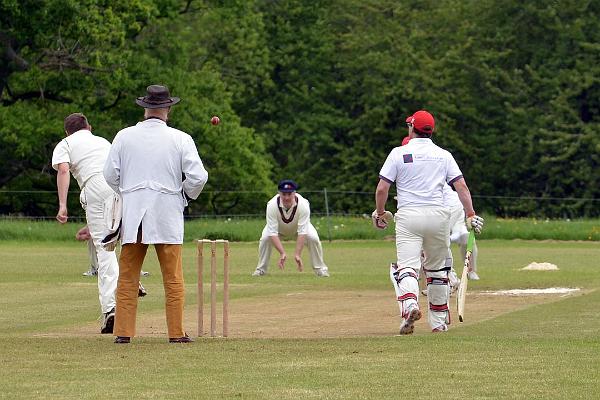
336 228
509 347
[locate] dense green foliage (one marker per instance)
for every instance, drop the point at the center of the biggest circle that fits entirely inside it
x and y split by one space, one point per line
317 91
96 57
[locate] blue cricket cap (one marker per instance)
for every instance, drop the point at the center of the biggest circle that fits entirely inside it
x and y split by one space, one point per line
287 186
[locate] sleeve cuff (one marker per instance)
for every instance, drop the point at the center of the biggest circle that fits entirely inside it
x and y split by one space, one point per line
386 179
451 183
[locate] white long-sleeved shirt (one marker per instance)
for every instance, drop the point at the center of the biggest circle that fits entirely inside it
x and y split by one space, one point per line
151 165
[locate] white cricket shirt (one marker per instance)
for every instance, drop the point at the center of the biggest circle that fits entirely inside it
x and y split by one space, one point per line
288 222
451 199
86 154
420 170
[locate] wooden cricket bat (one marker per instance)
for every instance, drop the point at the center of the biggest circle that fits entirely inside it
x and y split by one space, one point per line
464 280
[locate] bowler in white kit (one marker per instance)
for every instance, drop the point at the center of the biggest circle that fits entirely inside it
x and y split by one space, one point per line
83 154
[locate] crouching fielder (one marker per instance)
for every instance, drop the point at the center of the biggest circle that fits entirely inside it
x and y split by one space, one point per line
420 169
288 217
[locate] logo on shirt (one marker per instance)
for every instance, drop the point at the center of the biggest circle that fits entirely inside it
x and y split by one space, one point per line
407 158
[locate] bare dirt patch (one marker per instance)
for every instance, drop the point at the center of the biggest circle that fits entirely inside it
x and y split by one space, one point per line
544 266
323 314
533 292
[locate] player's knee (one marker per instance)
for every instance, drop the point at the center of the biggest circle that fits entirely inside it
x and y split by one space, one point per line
313 239
438 290
438 294
400 274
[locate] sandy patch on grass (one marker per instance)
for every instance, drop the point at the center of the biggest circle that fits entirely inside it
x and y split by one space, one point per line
323 314
526 292
544 266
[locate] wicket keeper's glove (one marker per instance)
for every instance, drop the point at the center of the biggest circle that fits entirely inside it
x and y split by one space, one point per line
475 222
381 221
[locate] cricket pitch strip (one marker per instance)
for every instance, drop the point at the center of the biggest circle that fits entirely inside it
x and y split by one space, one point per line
325 314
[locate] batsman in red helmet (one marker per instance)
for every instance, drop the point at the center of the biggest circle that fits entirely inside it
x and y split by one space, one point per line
420 170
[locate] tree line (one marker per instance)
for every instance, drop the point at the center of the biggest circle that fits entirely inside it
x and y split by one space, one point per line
317 91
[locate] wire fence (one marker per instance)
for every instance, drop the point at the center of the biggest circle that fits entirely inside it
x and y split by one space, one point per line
43 204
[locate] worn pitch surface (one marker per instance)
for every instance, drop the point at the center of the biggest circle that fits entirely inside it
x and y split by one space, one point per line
324 314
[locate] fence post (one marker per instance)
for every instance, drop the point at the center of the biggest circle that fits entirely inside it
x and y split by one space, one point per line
327 214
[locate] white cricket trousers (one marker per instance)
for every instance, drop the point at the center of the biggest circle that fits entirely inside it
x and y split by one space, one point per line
422 228
92 254
265 247
93 196
425 228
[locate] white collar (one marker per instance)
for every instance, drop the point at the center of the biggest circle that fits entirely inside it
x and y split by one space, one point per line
421 140
81 132
152 120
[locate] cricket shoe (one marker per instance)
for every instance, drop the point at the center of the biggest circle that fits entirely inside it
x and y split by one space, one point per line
408 323
183 339
91 272
323 273
258 272
473 276
108 322
141 290
144 273
441 328
122 339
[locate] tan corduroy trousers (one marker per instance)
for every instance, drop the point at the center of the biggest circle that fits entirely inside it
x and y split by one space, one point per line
130 266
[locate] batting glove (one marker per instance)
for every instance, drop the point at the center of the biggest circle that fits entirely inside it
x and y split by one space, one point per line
381 221
475 222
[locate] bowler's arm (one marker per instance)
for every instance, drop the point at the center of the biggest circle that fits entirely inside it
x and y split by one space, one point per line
63 179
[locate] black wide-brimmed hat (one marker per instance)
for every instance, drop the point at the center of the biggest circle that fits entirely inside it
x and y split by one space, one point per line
158 97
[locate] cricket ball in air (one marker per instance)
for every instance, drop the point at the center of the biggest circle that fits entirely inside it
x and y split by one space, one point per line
215 120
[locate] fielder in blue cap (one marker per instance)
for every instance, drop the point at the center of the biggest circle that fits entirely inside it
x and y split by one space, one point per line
288 217
287 186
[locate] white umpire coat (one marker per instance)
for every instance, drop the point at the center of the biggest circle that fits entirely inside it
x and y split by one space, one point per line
152 165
